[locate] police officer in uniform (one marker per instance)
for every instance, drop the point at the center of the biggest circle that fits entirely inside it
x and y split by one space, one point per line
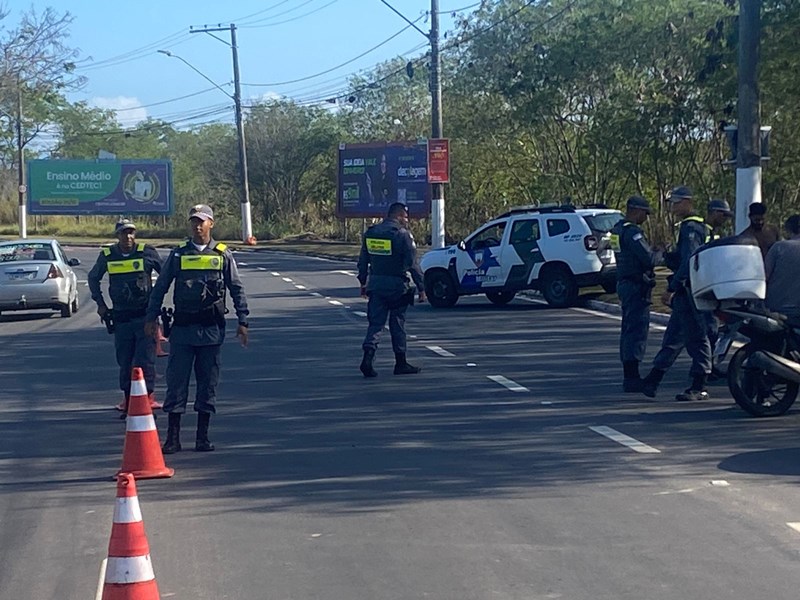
687 326
201 269
388 253
718 213
129 266
635 282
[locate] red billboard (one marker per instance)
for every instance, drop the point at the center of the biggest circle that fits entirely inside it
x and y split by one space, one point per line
438 161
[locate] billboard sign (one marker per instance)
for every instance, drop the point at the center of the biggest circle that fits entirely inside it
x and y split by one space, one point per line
439 161
373 176
106 187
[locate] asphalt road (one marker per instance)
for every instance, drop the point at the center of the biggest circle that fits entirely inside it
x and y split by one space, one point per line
497 473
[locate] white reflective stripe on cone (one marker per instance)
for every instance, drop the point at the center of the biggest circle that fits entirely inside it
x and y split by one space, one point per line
138 388
132 569
127 510
141 423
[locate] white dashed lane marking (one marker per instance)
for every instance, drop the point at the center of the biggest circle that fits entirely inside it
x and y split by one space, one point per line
360 313
287 279
335 303
275 274
350 273
511 385
795 526
242 264
299 287
625 440
262 268
316 294
440 351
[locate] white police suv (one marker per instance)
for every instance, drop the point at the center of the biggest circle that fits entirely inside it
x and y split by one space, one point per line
555 249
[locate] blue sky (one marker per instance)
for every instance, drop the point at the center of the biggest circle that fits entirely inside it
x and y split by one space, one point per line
279 41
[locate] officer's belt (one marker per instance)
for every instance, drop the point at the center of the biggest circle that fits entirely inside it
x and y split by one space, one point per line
125 316
210 316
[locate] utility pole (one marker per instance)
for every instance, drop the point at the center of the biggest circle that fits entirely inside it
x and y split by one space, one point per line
435 86
21 189
437 189
244 189
748 150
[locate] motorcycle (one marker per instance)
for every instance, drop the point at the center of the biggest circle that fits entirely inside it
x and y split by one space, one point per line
764 373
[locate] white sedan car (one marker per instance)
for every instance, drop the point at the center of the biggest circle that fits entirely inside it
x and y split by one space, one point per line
36 274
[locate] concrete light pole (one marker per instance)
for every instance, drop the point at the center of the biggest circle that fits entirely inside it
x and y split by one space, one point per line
435 84
244 184
748 150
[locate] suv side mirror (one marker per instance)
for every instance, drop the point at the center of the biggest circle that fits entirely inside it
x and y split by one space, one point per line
73 262
462 245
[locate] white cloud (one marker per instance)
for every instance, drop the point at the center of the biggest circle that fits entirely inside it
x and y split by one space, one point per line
129 110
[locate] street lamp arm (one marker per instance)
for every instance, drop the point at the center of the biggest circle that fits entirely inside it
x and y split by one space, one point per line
196 70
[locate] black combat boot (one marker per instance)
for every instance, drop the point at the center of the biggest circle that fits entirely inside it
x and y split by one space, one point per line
401 366
201 443
173 443
632 382
697 391
650 383
366 364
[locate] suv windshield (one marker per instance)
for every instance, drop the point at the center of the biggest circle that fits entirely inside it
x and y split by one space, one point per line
603 222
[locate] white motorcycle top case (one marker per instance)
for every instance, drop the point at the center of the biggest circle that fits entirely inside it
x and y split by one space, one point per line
722 272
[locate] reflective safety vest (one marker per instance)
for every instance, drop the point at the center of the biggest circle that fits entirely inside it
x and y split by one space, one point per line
385 256
128 283
199 282
698 220
614 240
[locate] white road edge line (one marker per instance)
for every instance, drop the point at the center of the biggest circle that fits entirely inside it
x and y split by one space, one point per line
511 385
589 311
625 440
440 351
102 580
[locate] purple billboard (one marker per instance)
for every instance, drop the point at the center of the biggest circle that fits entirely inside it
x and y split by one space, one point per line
373 176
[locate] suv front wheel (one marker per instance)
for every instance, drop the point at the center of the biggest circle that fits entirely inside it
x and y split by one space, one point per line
559 287
440 289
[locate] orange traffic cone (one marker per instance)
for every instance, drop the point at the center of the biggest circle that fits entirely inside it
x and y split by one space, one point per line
142 455
160 339
129 571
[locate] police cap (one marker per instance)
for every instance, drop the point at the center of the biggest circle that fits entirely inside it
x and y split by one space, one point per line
719 205
124 224
202 211
680 193
639 203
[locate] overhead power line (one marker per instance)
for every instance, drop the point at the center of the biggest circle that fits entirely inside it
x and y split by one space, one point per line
166 101
297 18
330 70
135 53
